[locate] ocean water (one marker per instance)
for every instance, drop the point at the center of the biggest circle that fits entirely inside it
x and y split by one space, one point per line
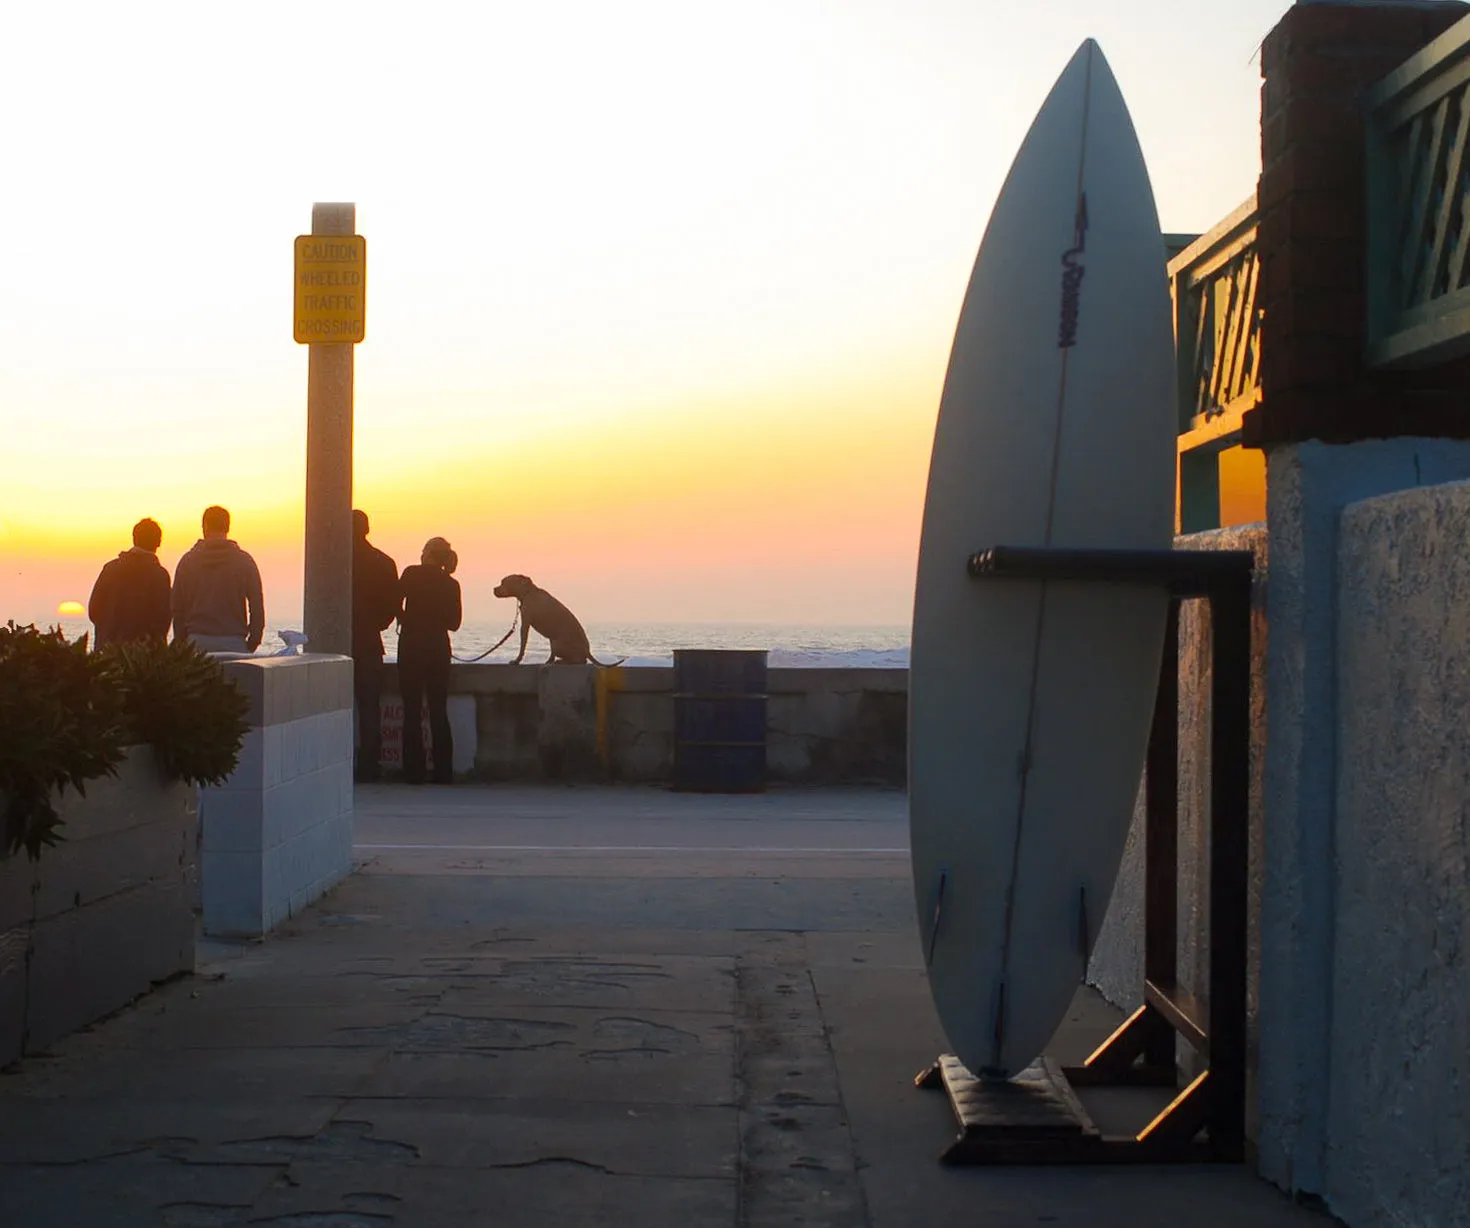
653 644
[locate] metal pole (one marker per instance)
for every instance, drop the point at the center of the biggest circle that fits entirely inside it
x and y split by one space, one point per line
328 580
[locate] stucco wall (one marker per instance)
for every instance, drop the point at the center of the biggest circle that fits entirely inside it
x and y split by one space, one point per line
1398 1125
1309 484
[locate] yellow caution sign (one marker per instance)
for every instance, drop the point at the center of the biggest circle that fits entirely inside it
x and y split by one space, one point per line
331 289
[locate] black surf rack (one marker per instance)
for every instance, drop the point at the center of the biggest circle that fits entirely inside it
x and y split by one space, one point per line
1037 1118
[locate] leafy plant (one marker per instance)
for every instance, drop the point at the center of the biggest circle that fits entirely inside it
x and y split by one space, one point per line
178 699
61 723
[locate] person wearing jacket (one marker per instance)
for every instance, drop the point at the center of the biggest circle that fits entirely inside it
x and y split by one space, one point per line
130 600
374 607
431 610
217 598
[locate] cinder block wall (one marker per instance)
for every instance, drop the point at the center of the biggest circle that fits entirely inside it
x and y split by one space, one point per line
103 916
278 833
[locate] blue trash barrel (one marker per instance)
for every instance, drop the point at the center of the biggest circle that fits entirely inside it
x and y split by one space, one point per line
719 720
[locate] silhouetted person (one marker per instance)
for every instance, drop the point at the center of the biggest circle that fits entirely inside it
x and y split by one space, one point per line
374 606
130 600
431 610
217 596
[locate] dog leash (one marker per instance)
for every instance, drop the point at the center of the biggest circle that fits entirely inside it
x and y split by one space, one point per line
503 638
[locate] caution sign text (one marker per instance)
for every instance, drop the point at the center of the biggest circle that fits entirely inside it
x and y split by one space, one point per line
331 289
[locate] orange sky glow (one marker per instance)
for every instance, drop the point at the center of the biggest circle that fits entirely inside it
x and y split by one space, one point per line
659 300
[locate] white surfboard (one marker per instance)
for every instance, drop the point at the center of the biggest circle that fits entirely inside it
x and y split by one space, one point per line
1030 702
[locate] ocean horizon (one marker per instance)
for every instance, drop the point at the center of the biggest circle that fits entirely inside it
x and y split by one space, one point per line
652 644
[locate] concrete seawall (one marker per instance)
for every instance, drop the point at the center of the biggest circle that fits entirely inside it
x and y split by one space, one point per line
579 722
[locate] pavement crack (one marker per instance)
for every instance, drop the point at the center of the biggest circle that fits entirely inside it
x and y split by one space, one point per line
539 1161
77 1161
613 1055
341 1141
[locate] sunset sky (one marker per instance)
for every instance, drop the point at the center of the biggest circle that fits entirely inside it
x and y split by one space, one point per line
660 295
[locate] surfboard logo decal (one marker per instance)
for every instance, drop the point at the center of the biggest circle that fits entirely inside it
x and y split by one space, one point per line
1072 273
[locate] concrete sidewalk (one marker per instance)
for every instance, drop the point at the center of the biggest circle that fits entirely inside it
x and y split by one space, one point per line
560 1007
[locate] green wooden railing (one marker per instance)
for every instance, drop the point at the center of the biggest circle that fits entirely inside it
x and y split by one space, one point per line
1419 206
1217 342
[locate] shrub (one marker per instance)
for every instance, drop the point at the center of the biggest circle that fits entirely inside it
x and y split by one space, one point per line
61 723
66 717
178 699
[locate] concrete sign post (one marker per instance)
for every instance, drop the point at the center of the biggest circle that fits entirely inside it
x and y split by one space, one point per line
330 293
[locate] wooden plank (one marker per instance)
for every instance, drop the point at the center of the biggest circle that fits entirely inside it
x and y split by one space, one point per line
1212 262
1186 1014
1380 165
1451 199
1429 93
1114 1058
1246 369
1455 269
1203 247
1421 339
1184 306
1185 1116
1406 155
1034 1104
1202 329
1222 428
1429 59
1228 358
1412 248
1219 291
1229 876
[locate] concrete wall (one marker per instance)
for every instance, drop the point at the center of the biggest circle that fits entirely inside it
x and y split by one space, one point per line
103 916
1398 1126
575 722
278 833
1309 484
1117 960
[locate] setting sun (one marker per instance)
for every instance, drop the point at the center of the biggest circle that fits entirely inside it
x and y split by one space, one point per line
71 609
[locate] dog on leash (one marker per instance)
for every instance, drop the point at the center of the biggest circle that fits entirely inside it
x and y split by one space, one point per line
543 613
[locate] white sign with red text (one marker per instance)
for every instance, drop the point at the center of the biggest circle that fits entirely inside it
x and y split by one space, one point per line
461 727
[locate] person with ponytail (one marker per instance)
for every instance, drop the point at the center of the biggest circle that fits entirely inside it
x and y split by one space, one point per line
431 610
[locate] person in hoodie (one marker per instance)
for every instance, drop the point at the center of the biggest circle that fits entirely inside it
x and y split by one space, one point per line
431 610
217 598
130 600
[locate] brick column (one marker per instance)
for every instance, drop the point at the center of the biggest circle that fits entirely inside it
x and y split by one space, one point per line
1319 64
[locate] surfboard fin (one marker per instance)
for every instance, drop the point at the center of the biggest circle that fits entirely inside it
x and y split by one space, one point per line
939 888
